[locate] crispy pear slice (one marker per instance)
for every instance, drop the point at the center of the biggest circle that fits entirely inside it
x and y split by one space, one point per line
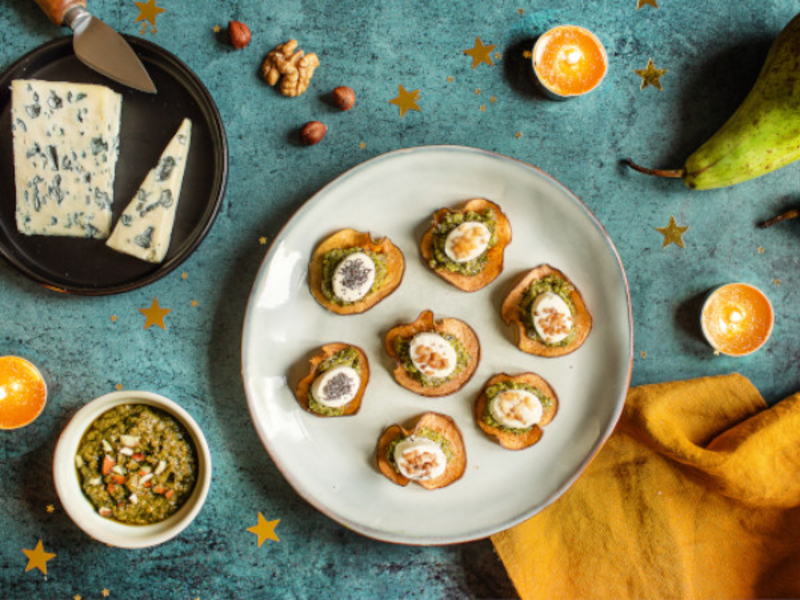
304 385
510 439
512 313
494 263
425 322
443 425
350 238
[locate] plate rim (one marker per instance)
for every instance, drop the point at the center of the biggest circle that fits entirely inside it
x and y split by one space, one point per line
485 532
216 126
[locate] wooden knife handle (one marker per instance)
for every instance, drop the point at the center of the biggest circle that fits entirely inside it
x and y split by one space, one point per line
56 9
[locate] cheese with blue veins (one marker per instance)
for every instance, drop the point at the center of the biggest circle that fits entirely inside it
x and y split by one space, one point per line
66 143
144 229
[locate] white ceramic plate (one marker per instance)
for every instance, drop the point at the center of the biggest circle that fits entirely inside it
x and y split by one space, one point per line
331 462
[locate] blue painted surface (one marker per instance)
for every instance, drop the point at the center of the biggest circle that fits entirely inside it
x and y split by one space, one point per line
713 51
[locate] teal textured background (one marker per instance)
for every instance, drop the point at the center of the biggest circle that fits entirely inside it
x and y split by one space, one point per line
713 50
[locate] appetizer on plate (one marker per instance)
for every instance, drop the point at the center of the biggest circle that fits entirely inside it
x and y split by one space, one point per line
434 357
431 453
465 245
547 312
336 381
350 273
514 408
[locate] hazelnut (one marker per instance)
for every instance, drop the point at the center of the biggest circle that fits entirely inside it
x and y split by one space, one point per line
238 34
344 97
313 132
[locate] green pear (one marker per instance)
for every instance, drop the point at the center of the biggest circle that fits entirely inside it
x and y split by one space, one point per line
764 132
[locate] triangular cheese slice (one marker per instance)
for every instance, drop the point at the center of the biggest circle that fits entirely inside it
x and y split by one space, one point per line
145 227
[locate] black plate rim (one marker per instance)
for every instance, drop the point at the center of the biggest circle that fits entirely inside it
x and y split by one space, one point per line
56 46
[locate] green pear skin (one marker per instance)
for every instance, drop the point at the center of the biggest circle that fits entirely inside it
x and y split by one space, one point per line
764 132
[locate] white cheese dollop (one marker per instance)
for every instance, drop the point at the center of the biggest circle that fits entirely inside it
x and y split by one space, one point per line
420 458
336 387
467 241
433 355
552 317
353 277
517 409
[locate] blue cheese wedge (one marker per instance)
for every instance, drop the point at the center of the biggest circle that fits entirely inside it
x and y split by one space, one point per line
145 227
66 143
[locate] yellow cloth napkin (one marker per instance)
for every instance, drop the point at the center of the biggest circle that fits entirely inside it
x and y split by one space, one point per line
695 495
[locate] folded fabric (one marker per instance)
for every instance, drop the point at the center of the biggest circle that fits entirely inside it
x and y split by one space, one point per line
695 495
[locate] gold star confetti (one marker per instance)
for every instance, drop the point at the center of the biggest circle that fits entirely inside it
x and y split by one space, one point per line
518 135
195 303
50 508
498 55
77 597
262 240
643 354
449 79
362 145
493 99
521 11
477 91
673 234
155 314
641 3
113 318
650 75
483 108
480 53
405 101
777 282
105 593
148 11
184 275
265 530
118 387
527 54
217 28
37 558
761 249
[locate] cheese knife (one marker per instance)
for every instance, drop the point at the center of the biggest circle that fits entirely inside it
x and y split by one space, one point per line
97 45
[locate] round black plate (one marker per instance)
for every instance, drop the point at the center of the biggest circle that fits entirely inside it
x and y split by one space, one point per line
88 266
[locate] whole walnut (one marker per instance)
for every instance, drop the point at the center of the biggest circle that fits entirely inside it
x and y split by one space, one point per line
293 67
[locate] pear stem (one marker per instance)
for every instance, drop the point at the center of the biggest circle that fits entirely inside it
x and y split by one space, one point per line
672 173
789 214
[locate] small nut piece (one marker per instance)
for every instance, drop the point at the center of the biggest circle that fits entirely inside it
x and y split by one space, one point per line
238 34
313 132
344 97
297 68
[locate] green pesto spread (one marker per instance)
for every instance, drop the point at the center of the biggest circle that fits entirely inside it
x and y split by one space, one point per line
426 432
440 260
549 283
498 388
136 464
347 357
331 260
402 347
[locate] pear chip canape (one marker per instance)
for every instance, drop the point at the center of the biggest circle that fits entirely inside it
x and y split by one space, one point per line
514 438
478 272
519 303
438 428
399 344
327 358
388 266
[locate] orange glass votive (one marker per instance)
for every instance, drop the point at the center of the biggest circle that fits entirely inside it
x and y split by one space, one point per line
569 61
23 392
737 319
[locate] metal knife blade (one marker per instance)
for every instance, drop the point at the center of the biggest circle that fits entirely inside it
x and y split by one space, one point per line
97 45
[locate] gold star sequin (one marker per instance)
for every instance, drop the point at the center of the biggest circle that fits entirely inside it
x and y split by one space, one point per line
498 55
50 508
217 28
405 101
777 282
480 53
643 354
641 3
477 91
761 249
262 240
449 79
77 597
493 99
118 387
105 593
521 11
155 314
527 54
518 135
37 558
362 145
265 530
113 318
673 234
650 75
483 108
195 303
184 275
148 11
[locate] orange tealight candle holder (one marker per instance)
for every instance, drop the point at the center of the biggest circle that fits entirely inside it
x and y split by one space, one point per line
569 61
23 392
737 319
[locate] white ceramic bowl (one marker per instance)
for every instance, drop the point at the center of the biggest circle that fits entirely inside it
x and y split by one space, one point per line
80 509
